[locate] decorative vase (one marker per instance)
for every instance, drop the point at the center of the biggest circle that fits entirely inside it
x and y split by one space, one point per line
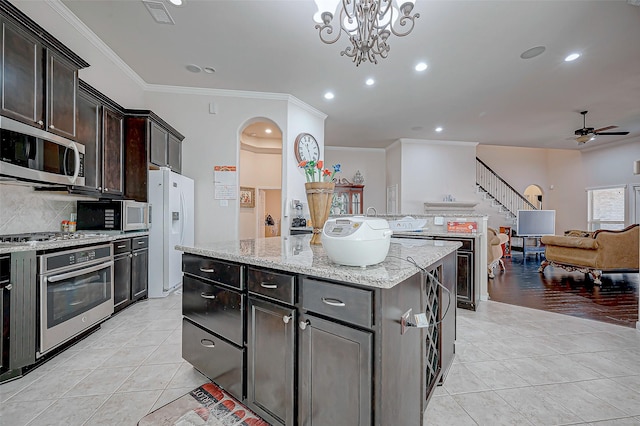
319 197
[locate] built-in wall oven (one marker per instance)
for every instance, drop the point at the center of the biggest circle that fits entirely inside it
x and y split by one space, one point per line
75 290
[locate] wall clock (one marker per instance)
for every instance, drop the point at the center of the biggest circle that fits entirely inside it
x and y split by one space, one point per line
306 148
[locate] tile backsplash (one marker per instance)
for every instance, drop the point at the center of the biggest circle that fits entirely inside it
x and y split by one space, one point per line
22 209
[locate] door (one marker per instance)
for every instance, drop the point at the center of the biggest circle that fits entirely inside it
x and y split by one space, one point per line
271 357
121 280
181 230
335 374
139 274
465 279
89 135
174 147
62 86
22 80
113 147
158 145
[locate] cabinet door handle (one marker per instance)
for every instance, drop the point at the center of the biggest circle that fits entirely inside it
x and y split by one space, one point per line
51 126
130 255
8 287
209 271
40 122
122 246
135 254
140 242
207 343
267 285
333 302
287 318
207 296
304 324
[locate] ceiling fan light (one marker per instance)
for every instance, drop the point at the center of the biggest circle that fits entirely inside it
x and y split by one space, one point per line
572 57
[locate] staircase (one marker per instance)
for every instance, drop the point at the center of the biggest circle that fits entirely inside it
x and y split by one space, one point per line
499 193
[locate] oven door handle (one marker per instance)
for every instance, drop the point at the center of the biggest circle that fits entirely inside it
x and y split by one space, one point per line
79 272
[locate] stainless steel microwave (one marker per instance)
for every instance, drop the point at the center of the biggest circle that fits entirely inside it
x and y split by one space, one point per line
34 155
112 215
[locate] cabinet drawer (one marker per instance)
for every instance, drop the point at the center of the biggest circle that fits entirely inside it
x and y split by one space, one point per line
213 357
121 246
139 243
348 304
214 307
214 270
271 284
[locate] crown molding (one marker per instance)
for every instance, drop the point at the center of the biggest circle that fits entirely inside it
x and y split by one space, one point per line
259 150
76 23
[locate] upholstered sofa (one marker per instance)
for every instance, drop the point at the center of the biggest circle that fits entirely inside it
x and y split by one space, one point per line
595 253
495 241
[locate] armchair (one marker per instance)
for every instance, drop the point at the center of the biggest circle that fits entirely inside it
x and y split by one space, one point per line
495 241
594 253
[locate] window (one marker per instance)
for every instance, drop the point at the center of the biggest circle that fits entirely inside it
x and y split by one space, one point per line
606 208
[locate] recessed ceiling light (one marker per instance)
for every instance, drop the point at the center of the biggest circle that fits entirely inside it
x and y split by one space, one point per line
209 70
421 66
268 131
369 82
193 68
533 52
329 95
439 129
176 2
572 57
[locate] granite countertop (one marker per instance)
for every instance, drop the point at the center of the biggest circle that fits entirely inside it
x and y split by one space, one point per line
91 237
427 234
295 254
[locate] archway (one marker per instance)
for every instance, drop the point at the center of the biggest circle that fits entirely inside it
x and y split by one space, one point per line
260 178
533 193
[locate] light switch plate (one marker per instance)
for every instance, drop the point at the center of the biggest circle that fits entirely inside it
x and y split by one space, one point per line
438 220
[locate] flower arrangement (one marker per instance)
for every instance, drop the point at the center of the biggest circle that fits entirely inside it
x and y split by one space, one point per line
314 172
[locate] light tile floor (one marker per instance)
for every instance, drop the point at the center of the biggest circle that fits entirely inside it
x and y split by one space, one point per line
514 366
521 366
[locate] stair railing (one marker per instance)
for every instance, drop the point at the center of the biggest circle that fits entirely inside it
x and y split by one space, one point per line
503 193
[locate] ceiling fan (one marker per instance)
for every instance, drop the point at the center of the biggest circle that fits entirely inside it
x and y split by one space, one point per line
589 133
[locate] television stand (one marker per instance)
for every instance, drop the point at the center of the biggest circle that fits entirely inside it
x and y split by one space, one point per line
528 244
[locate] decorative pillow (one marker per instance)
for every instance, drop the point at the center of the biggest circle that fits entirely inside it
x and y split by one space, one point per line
578 233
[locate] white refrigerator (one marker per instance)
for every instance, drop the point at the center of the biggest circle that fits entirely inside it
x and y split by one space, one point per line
171 199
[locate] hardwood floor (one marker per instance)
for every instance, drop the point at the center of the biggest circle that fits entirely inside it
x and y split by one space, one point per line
570 293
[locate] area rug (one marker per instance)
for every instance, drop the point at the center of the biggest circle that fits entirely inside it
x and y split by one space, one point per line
206 405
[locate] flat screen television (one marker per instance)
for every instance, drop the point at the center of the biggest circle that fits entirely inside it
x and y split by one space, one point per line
535 223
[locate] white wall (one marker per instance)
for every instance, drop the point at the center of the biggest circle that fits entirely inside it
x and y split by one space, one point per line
105 72
372 165
433 169
394 170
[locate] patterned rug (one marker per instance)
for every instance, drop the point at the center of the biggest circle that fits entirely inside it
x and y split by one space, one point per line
206 405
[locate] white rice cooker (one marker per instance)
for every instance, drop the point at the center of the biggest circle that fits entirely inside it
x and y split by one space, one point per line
356 240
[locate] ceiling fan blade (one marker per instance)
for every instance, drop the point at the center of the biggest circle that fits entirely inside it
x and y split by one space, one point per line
611 133
605 128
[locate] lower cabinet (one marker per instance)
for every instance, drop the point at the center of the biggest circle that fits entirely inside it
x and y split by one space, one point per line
468 295
335 376
300 350
139 273
271 360
130 271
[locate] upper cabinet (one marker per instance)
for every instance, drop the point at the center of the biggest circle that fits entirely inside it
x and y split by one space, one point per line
149 142
100 128
39 81
347 198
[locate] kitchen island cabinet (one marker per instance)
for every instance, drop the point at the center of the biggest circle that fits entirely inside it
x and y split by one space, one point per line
322 342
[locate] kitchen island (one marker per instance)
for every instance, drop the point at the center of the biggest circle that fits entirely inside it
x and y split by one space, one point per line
302 340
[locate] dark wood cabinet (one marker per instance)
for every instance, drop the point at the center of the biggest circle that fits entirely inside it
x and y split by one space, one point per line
467 294
147 143
62 90
174 153
88 133
335 377
347 198
121 281
112 139
22 91
139 268
39 81
130 271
